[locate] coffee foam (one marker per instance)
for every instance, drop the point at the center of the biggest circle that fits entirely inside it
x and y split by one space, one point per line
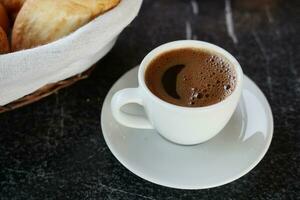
213 76
204 78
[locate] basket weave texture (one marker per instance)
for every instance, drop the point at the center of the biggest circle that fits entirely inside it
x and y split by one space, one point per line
45 91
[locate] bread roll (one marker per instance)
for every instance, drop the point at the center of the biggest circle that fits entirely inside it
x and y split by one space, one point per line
4 44
4 21
42 21
12 5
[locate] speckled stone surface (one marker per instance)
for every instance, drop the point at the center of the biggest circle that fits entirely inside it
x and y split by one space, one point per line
54 149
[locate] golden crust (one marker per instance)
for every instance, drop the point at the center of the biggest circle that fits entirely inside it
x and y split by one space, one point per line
12 5
42 21
4 44
4 21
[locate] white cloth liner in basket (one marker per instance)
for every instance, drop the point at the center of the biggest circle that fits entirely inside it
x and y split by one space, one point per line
24 72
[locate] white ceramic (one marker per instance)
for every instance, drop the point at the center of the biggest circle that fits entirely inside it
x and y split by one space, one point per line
198 124
229 155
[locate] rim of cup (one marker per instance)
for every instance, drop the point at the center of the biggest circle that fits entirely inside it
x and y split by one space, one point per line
190 44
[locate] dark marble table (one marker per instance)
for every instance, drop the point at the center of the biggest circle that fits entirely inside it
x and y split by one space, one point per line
54 149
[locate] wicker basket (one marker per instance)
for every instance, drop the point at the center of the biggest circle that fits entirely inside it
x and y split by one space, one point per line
32 74
45 91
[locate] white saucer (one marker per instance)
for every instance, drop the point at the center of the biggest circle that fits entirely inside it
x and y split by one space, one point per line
236 150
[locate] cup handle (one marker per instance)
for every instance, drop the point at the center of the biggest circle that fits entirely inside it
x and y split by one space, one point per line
123 97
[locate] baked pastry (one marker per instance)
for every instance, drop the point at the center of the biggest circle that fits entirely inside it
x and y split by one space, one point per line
42 21
4 44
4 22
12 5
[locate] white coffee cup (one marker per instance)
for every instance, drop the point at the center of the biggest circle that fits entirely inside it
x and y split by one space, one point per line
182 125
